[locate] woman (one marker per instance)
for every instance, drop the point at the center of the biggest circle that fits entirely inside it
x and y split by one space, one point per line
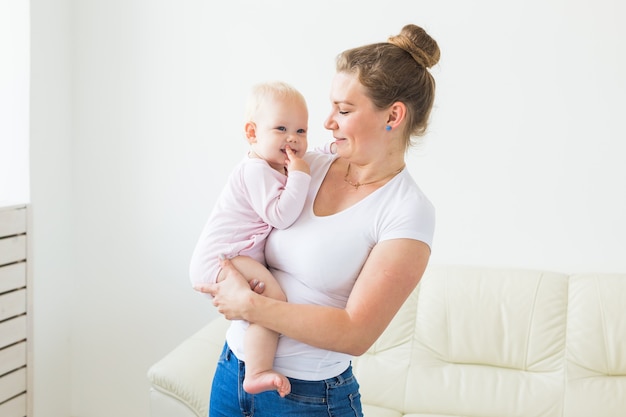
358 249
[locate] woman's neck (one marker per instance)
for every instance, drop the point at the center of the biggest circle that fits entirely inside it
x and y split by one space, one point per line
359 174
339 192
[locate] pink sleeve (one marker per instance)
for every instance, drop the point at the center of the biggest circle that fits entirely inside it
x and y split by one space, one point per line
277 199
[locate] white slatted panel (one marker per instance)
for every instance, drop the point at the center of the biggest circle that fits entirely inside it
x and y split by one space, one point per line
12 384
12 358
15 407
12 304
12 331
12 249
12 222
12 276
14 373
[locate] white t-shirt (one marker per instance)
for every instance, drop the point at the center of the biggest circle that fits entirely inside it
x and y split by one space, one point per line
317 259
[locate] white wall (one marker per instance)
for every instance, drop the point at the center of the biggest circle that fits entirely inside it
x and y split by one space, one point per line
136 124
14 100
51 207
525 158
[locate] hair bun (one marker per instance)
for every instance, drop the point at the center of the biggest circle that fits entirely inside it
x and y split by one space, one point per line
418 43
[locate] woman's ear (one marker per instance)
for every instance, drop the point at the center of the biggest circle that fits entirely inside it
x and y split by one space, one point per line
397 114
250 129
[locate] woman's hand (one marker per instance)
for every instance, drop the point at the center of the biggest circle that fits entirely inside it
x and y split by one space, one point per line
231 296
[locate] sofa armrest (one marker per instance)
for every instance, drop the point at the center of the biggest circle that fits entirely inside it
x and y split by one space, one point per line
182 379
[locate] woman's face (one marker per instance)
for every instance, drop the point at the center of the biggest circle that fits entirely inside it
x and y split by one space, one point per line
358 127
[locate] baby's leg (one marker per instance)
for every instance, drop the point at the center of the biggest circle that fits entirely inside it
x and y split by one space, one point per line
260 343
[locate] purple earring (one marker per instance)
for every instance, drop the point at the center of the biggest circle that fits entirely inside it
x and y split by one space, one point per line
387 128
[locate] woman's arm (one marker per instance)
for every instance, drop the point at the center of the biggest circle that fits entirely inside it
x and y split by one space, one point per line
391 272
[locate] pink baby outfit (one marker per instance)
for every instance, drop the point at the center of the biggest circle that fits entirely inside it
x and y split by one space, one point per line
256 199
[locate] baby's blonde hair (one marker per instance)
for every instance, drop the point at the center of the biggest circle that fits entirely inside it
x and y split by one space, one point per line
260 93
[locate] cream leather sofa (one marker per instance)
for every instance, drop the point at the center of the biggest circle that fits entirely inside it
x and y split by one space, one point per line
470 341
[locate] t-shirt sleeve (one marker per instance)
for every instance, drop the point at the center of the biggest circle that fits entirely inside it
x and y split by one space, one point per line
412 218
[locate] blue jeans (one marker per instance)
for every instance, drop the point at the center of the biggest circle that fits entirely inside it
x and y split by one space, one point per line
333 397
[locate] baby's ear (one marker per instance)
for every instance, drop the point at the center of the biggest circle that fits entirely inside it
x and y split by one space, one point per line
250 129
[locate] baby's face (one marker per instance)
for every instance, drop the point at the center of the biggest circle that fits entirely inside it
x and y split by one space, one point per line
279 123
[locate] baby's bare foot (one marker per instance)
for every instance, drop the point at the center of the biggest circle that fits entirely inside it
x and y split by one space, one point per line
267 381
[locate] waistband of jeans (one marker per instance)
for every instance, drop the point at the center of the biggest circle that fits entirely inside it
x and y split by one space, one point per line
343 376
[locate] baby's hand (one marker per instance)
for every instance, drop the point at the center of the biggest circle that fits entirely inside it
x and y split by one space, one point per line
295 163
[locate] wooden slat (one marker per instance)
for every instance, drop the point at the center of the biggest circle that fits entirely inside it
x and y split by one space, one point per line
15 407
12 277
12 304
12 358
12 249
12 221
12 331
12 384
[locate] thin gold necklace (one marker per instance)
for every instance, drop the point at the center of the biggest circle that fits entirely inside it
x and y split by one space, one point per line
357 184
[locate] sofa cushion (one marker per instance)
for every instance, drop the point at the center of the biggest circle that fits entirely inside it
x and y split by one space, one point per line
596 346
186 373
486 340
